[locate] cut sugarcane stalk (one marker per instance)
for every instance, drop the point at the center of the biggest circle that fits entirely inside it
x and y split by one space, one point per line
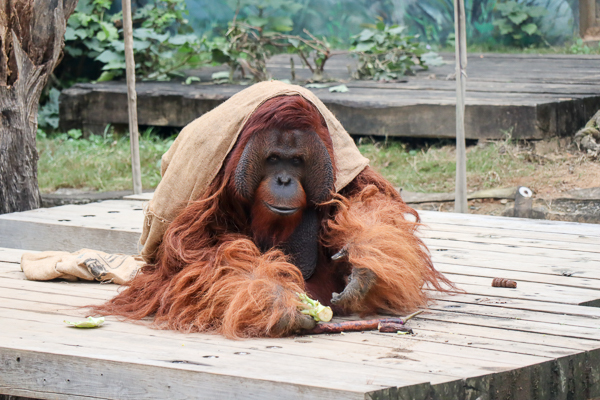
311 307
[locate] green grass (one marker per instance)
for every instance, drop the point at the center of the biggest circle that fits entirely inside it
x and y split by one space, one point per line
98 163
432 168
103 163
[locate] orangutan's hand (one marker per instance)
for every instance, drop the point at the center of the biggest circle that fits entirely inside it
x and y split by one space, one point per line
359 283
299 323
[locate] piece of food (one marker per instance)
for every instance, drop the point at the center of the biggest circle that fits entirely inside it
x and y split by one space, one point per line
503 282
90 322
315 309
393 327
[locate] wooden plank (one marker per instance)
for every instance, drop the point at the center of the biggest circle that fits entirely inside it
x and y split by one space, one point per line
534 225
482 257
66 376
358 356
496 374
495 310
59 299
520 304
529 291
60 294
42 237
514 325
565 239
392 344
519 276
117 340
479 335
511 93
143 197
103 215
501 249
533 264
12 255
557 247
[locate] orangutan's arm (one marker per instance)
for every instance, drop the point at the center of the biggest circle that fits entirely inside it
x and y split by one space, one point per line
389 262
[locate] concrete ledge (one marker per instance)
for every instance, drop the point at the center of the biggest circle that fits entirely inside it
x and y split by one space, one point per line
529 97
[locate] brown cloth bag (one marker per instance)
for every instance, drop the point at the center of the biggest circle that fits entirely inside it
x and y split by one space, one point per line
198 153
84 264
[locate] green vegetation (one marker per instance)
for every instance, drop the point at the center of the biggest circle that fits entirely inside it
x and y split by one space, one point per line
101 163
519 23
163 42
386 53
434 20
247 47
433 168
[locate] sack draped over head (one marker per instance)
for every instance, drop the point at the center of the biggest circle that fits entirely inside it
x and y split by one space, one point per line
199 151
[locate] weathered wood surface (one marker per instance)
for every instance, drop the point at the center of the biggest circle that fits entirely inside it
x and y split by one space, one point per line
531 96
533 342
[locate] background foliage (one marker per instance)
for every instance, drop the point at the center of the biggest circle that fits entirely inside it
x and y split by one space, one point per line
163 42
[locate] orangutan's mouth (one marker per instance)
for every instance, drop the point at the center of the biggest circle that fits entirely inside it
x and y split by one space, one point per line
281 210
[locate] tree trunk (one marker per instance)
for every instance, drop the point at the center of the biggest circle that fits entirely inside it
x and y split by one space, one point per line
31 41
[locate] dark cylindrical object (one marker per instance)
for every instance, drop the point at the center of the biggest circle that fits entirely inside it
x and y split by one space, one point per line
503 282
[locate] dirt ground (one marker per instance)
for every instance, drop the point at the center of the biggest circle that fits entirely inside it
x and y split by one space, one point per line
560 169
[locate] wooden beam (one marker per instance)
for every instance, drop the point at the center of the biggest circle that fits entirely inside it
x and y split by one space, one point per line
587 15
460 197
132 98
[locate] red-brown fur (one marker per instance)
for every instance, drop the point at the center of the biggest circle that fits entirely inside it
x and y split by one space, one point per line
210 275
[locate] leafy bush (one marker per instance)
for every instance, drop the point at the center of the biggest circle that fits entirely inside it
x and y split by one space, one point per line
48 113
260 32
163 42
434 20
580 47
385 53
518 23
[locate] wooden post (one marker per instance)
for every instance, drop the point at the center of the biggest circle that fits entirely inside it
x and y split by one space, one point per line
132 98
589 17
460 196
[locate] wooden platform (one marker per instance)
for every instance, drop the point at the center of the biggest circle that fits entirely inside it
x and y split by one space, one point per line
539 341
528 96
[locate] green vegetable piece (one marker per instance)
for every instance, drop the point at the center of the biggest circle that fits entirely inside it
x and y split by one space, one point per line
91 322
339 88
220 75
191 79
315 309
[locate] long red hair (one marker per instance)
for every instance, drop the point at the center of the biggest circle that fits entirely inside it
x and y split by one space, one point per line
207 254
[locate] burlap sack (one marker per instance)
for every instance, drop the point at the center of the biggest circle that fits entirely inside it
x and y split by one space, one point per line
84 264
198 153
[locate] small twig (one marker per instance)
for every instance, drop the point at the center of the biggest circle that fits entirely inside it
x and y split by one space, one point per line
357 326
237 11
303 57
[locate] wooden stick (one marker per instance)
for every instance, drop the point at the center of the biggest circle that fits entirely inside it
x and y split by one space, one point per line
132 98
460 197
357 326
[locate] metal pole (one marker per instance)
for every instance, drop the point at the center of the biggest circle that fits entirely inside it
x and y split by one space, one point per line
132 98
460 197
